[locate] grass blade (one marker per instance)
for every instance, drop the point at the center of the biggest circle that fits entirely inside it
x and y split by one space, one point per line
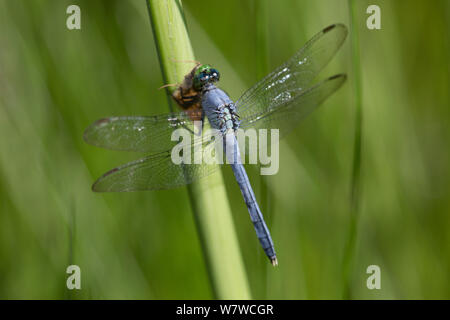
356 168
208 196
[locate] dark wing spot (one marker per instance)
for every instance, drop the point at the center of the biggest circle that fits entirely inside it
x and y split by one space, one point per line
102 121
94 186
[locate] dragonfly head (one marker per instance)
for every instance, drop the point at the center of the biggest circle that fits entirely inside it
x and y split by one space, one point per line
205 74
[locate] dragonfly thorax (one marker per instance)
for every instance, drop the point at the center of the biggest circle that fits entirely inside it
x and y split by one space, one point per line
219 109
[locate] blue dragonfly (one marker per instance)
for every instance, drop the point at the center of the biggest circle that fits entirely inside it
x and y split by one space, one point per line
278 101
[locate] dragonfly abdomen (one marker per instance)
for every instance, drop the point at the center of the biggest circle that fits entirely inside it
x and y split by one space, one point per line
221 113
261 229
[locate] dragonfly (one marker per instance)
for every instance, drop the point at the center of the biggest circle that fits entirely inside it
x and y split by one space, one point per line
279 101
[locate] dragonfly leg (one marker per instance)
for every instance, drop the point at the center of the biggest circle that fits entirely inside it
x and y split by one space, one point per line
203 122
234 116
169 85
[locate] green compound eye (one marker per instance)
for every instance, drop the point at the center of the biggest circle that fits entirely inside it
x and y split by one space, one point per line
203 75
203 68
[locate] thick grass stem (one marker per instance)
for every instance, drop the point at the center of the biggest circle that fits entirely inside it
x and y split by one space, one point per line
208 196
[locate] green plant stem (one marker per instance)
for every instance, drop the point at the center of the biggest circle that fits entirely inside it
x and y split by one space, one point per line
262 69
208 196
261 13
356 169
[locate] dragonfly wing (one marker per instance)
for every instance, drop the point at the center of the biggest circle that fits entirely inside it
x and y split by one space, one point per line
294 75
142 134
155 172
295 105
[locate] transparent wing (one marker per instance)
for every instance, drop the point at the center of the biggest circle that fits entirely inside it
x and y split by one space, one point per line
293 106
293 77
154 172
142 134
154 135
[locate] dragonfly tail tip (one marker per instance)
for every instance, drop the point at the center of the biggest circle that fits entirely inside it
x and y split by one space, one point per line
274 261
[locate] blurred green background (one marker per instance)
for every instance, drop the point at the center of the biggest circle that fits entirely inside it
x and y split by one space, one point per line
55 82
